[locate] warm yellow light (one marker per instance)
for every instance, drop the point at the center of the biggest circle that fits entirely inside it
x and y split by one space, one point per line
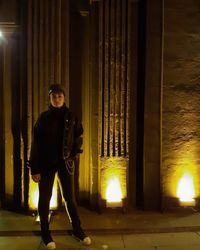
34 196
185 190
113 190
53 201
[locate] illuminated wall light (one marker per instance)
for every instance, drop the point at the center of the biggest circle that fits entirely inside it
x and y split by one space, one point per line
113 182
34 195
2 37
53 201
185 190
113 193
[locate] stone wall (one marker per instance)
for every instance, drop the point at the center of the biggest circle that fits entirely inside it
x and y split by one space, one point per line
181 95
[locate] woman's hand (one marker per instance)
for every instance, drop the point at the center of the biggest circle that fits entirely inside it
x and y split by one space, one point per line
36 178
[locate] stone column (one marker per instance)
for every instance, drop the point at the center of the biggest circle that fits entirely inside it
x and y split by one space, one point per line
47 50
11 144
114 95
47 54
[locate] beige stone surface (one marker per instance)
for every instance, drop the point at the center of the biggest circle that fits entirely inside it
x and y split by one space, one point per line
181 94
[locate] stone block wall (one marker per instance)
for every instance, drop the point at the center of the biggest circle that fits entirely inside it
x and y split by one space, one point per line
181 95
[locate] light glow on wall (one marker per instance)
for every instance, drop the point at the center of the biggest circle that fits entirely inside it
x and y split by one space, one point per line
113 191
113 181
185 189
34 195
183 182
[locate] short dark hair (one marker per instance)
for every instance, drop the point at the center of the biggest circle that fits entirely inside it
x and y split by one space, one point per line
56 88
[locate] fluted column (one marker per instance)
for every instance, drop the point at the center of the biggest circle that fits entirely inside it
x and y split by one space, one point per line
47 54
46 44
114 94
11 144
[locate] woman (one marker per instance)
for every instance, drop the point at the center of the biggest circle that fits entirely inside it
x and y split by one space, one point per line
56 143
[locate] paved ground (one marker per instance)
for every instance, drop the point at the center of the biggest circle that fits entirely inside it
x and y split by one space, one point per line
133 231
158 241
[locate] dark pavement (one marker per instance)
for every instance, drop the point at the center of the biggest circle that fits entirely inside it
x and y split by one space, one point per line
133 230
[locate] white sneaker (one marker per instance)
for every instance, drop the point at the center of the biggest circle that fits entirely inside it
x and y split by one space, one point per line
51 245
87 241
79 234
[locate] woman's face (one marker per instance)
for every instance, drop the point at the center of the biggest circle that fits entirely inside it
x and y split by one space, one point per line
57 99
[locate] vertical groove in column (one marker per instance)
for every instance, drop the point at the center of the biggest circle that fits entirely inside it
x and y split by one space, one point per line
46 49
106 80
64 43
35 61
58 42
127 80
118 84
101 77
56 45
118 89
121 130
29 74
119 52
111 76
109 140
128 52
115 86
123 89
52 42
41 55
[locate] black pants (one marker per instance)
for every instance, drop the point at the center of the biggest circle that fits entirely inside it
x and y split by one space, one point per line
66 179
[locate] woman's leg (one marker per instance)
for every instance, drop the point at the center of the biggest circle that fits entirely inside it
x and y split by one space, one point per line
66 178
45 193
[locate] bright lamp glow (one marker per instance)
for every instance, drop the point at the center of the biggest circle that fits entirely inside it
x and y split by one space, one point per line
34 196
113 191
185 190
1 34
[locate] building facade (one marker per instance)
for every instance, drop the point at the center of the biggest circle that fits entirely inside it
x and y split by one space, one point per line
130 71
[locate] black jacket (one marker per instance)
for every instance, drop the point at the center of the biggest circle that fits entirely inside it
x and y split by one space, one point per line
56 136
